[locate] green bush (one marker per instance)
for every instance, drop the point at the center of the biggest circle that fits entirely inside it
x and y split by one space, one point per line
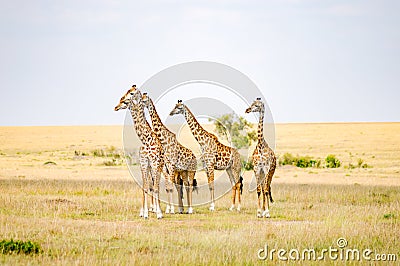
299 161
247 165
287 159
25 247
332 161
98 153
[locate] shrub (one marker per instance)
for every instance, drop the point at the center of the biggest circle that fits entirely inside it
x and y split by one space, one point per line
307 161
25 247
332 161
287 159
299 161
98 153
247 165
112 162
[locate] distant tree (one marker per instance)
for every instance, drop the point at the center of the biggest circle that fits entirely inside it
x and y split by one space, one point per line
236 127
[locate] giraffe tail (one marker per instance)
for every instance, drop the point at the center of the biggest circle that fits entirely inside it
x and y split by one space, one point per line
270 195
241 184
181 187
195 187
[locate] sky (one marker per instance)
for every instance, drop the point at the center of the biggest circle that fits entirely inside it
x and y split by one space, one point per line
69 62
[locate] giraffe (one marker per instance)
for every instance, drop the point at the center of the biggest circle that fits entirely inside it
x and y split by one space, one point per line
215 155
150 153
264 161
183 161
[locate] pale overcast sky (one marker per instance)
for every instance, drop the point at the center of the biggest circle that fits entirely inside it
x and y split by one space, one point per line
69 62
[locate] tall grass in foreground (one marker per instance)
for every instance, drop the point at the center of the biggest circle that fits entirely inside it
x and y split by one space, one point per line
96 222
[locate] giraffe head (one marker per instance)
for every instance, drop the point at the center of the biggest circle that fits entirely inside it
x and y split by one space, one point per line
146 100
179 108
257 107
126 101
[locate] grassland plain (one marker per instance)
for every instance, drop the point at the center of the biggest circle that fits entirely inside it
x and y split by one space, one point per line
56 190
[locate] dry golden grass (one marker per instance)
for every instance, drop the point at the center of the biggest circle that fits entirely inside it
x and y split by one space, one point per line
83 212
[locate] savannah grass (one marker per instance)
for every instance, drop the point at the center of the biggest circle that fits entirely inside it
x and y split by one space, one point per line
97 222
80 211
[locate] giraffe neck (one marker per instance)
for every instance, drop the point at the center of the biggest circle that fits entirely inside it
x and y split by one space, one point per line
142 127
159 128
260 130
195 127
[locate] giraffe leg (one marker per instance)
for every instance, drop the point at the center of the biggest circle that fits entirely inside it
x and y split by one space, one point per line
259 210
178 185
239 192
231 176
210 176
156 173
233 198
189 190
142 207
236 178
173 179
157 205
258 174
145 209
265 202
168 190
267 185
168 186
151 200
145 186
266 213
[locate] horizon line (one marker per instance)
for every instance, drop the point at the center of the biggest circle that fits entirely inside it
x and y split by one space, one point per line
276 123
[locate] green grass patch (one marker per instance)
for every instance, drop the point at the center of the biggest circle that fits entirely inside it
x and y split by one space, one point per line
389 216
332 162
107 152
299 161
247 165
19 247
